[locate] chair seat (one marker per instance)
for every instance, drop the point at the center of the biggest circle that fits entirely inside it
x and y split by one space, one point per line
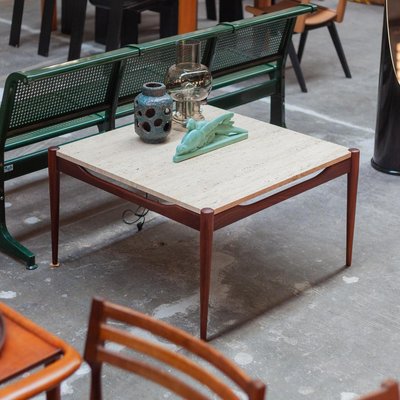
26 347
321 17
138 5
19 355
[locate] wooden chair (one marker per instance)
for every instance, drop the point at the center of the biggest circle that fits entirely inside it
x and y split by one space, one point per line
389 391
27 346
96 354
323 17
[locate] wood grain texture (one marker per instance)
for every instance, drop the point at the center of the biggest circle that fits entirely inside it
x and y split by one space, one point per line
27 346
187 21
270 158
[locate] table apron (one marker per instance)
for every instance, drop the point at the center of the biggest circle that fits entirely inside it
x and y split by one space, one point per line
242 211
192 219
172 211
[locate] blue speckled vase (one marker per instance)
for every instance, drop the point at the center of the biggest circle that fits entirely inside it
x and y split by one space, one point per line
153 113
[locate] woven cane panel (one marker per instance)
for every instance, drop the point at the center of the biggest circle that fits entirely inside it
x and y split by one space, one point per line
248 44
57 95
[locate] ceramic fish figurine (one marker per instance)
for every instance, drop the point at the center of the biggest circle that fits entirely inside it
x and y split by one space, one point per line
201 133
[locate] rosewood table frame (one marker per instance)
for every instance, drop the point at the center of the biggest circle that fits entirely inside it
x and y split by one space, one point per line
207 221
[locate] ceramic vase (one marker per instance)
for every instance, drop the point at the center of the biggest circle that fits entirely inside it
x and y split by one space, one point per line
153 113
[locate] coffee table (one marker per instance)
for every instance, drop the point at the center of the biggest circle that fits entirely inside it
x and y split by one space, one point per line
207 192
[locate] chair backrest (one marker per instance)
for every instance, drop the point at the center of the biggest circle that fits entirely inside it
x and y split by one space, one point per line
100 333
389 391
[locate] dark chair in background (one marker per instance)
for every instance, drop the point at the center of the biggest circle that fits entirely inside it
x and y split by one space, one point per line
168 362
117 21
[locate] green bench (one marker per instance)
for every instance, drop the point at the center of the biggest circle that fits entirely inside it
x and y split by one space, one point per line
98 91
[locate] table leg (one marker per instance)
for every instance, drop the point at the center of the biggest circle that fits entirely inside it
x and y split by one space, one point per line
352 184
54 188
206 241
187 16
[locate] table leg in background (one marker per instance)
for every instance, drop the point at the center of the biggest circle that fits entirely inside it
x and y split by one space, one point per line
187 16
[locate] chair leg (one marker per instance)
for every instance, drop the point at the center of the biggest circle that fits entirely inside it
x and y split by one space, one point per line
54 394
130 27
95 388
66 16
77 28
45 29
114 25
211 10
302 43
230 10
296 67
16 23
169 19
339 48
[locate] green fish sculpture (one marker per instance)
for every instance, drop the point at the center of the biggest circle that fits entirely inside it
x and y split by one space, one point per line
204 136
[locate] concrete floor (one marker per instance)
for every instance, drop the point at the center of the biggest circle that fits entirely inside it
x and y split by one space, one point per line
283 305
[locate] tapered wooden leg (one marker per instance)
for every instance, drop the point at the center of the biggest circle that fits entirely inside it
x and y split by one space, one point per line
95 388
352 184
54 394
206 241
54 188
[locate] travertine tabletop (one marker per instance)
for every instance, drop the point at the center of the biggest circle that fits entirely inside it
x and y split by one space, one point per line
271 157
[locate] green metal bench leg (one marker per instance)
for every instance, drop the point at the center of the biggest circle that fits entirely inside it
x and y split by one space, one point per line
277 116
14 248
8 244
